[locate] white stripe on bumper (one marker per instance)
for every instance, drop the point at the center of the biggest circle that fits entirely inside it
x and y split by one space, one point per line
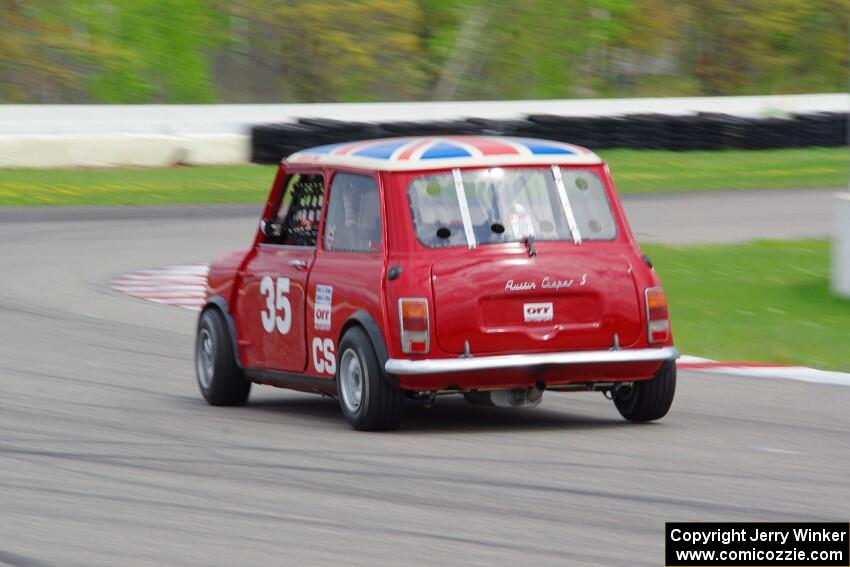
444 365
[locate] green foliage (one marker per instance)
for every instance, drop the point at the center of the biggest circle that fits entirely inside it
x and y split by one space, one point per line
351 51
754 47
167 43
546 49
43 52
360 50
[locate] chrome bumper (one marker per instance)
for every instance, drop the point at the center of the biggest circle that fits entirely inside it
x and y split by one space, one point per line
443 365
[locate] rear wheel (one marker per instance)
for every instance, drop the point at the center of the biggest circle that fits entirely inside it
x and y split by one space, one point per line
369 401
648 400
220 379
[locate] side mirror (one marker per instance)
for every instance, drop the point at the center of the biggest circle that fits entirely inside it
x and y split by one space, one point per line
271 228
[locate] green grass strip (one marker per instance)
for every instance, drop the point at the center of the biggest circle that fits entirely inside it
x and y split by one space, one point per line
116 187
638 171
635 171
766 301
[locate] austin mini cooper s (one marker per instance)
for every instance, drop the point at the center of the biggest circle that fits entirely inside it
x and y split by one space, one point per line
397 269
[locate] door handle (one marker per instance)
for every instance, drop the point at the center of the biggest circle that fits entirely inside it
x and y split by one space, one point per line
298 264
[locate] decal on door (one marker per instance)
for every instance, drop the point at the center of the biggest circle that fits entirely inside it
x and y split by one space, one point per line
278 311
536 312
324 360
322 310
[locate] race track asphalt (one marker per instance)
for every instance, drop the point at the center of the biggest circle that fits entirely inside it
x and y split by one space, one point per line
731 216
109 456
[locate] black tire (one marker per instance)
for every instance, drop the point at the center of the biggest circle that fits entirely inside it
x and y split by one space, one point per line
220 379
649 400
380 403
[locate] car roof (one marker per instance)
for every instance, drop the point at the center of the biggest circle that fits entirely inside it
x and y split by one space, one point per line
438 152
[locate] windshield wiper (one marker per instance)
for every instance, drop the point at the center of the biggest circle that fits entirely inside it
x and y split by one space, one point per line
529 242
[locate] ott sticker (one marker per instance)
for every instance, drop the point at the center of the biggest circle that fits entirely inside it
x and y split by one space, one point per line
536 312
322 309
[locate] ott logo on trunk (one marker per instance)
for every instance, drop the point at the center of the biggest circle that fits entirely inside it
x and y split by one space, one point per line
536 312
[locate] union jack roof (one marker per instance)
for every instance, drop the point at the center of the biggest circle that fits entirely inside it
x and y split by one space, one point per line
437 152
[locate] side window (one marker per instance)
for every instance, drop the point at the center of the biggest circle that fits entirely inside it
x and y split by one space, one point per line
590 204
354 215
435 210
300 211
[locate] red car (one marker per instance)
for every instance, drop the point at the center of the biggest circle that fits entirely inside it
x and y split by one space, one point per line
407 268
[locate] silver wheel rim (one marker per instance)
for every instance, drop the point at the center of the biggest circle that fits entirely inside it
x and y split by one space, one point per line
351 377
205 358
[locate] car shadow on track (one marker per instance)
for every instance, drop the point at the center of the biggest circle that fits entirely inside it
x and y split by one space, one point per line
455 414
447 414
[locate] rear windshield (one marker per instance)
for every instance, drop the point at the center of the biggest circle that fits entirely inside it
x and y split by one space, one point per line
509 205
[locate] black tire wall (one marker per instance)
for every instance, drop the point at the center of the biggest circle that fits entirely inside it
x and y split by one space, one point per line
272 142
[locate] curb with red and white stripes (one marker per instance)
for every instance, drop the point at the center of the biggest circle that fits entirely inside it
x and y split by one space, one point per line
758 370
185 286
179 286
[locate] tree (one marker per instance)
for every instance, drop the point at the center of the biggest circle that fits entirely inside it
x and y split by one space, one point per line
167 43
542 49
141 51
351 51
42 57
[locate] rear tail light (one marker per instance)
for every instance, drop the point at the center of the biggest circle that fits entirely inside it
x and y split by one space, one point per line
413 318
657 315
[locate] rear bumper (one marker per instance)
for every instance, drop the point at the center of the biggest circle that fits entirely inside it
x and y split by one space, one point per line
447 365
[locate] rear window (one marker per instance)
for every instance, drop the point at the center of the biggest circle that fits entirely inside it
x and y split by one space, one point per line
509 205
590 204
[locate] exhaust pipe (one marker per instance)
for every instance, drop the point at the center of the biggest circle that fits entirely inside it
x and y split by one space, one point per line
515 398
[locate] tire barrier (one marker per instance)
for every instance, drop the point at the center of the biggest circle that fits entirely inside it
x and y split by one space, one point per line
704 131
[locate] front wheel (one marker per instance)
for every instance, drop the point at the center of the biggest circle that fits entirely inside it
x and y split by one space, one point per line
220 379
648 400
368 399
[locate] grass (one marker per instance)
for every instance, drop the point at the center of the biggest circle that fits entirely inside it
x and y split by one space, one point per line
155 186
635 171
766 301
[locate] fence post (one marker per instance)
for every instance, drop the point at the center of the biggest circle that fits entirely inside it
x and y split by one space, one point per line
841 245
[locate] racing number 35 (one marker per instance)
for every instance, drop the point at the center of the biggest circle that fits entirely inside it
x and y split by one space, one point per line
278 311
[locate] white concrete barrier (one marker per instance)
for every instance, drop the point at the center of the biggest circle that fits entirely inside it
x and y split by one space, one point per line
123 150
162 135
238 118
216 149
840 274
